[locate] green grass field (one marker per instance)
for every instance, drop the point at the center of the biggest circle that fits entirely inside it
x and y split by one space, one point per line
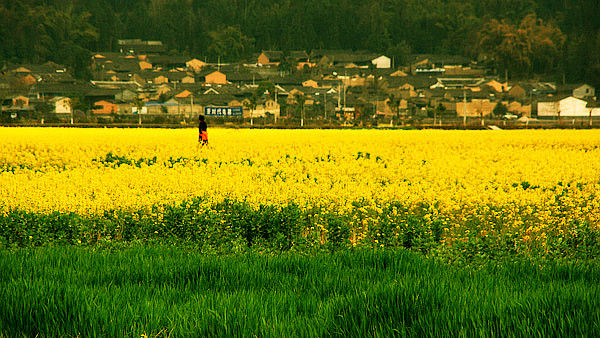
152 290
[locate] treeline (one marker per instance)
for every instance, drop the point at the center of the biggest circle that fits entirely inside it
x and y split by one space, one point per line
565 32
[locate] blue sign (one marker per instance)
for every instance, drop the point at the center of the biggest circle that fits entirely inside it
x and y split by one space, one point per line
223 111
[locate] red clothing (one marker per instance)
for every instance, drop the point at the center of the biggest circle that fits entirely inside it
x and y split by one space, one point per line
203 133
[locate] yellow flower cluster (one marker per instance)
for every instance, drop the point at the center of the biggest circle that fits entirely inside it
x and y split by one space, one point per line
533 180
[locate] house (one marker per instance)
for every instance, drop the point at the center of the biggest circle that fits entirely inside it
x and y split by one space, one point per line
407 86
121 65
459 70
310 83
154 78
237 77
184 94
104 107
180 77
155 108
577 90
497 86
569 106
298 58
517 108
345 58
44 90
519 91
523 90
214 77
186 106
399 73
458 82
269 58
382 62
126 95
138 46
169 62
390 112
62 105
475 108
37 69
267 107
438 64
219 100
97 94
27 80
124 107
145 65
195 65
20 102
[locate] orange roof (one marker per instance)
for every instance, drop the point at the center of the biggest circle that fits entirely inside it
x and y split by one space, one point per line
184 93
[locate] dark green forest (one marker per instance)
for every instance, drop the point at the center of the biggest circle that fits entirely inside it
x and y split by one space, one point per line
522 38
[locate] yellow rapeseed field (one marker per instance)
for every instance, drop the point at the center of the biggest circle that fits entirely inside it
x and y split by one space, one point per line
530 182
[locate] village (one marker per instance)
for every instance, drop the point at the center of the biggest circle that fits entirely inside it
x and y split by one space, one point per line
144 84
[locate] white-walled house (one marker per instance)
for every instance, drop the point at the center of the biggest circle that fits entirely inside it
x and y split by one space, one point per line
382 62
62 105
566 107
584 90
269 106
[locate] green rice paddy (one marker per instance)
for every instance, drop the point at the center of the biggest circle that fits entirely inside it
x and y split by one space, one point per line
162 291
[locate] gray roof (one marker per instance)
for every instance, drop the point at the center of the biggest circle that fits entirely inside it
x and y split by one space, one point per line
168 60
440 59
243 77
62 89
277 55
48 67
419 82
140 47
214 99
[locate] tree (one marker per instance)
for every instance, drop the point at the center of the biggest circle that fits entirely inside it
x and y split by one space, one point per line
44 108
373 24
500 109
265 88
68 33
139 105
229 43
286 66
251 104
532 47
438 110
399 53
282 100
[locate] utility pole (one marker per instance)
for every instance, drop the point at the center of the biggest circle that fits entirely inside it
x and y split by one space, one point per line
464 107
339 95
325 107
344 88
276 102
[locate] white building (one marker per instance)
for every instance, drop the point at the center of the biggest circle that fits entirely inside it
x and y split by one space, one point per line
567 107
269 106
62 105
382 62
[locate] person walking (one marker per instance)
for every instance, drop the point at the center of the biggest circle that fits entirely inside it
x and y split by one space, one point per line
203 132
